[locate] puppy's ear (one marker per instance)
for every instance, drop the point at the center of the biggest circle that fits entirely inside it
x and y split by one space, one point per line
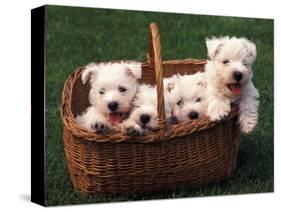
214 45
134 69
89 73
251 50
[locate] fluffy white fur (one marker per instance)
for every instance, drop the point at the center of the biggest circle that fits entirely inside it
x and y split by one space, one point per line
228 56
186 96
113 88
145 105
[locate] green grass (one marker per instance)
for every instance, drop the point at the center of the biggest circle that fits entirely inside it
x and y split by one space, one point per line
77 36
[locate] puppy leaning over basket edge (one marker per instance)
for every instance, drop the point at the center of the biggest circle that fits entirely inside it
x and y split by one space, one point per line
229 80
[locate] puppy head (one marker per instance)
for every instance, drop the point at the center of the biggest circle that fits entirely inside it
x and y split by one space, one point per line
145 108
187 97
113 87
230 62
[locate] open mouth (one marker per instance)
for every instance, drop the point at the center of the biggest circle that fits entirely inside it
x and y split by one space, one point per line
116 117
235 88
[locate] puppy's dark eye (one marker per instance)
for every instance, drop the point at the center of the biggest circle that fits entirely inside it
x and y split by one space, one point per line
122 89
245 63
101 92
180 102
226 61
198 99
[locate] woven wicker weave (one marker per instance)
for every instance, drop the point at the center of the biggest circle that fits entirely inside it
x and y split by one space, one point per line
189 153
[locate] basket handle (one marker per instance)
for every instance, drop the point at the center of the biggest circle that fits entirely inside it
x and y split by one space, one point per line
154 59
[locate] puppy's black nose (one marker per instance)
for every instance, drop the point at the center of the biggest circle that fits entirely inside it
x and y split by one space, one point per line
112 106
237 75
144 118
193 115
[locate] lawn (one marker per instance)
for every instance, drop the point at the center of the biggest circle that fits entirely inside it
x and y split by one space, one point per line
77 36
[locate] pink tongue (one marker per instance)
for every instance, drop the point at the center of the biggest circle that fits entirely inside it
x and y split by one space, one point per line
235 89
115 118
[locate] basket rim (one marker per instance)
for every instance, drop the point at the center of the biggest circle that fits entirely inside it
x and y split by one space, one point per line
178 130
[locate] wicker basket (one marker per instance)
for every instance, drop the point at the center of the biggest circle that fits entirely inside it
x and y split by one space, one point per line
189 153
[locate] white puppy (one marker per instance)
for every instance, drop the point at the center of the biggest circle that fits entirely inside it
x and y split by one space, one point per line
113 88
186 96
229 80
144 116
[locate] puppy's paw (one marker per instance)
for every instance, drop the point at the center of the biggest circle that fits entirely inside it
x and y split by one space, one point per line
217 112
99 127
132 129
247 124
